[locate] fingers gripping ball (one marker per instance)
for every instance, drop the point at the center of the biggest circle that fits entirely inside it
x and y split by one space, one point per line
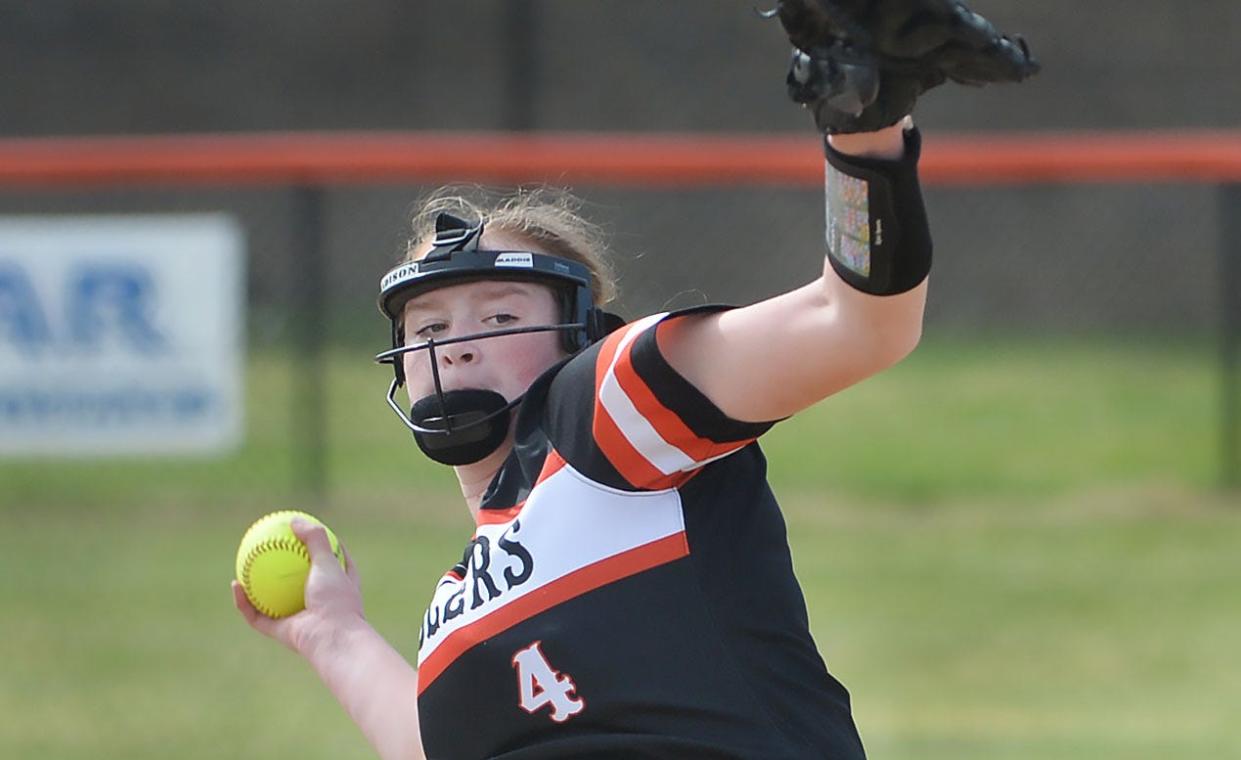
273 564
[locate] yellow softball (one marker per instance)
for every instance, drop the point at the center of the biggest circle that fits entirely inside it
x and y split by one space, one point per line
272 563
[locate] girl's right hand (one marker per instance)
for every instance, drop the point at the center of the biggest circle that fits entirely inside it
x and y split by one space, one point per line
333 598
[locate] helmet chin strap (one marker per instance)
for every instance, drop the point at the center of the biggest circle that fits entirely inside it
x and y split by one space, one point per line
461 427
456 427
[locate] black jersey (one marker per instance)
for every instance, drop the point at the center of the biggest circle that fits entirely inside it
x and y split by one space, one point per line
628 592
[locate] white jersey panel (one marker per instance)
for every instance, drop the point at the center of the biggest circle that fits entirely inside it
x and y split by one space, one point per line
572 535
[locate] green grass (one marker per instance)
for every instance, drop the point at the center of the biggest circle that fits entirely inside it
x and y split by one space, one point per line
1035 419
957 419
1009 551
1099 627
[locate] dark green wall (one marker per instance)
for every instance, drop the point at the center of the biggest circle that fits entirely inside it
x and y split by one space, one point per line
1139 257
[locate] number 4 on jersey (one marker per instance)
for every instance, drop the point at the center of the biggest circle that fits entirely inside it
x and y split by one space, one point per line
539 685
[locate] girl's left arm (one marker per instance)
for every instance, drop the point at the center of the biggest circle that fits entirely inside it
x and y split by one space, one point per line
776 357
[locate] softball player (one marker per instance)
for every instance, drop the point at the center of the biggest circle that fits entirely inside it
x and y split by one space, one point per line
628 590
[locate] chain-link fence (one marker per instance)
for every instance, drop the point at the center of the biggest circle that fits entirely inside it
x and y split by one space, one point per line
1047 257
1096 262
1134 261
135 66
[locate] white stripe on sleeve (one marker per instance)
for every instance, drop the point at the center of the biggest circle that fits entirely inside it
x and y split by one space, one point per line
643 436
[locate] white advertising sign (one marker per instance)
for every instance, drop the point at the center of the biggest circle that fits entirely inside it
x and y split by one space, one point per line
120 334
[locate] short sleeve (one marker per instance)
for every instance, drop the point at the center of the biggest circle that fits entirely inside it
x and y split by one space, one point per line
625 417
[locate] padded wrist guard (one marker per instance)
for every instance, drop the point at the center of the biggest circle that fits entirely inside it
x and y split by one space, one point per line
878 239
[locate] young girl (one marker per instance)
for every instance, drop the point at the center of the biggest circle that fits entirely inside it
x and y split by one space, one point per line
628 591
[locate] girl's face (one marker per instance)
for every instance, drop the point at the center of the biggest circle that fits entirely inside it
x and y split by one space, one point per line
506 364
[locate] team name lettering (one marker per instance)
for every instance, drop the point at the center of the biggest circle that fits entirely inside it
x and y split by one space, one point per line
487 571
480 562
455 605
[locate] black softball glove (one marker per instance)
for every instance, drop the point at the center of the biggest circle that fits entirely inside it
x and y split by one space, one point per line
861 64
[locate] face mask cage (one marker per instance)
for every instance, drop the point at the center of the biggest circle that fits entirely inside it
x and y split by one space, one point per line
454 259
395 357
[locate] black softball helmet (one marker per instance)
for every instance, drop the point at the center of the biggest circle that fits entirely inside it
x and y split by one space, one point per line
464 426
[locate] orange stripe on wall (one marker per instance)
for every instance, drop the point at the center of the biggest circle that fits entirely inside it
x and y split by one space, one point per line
576 583
645 160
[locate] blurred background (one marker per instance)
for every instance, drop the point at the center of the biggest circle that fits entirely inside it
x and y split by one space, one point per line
1018 543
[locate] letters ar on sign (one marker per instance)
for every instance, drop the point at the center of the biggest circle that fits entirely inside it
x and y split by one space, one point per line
101 300
120 334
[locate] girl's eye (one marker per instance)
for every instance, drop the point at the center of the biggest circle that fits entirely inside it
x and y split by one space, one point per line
435 328
503 319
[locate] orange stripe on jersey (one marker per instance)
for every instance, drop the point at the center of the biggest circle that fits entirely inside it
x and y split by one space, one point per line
666 422
627 460
493 516
606 354
673 431
574 584
551 465
629 463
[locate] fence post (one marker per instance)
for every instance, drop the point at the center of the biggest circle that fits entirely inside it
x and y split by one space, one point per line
308 418
521 64
1230 334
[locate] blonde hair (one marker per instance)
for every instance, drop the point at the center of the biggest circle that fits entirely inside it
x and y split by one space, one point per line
547 217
